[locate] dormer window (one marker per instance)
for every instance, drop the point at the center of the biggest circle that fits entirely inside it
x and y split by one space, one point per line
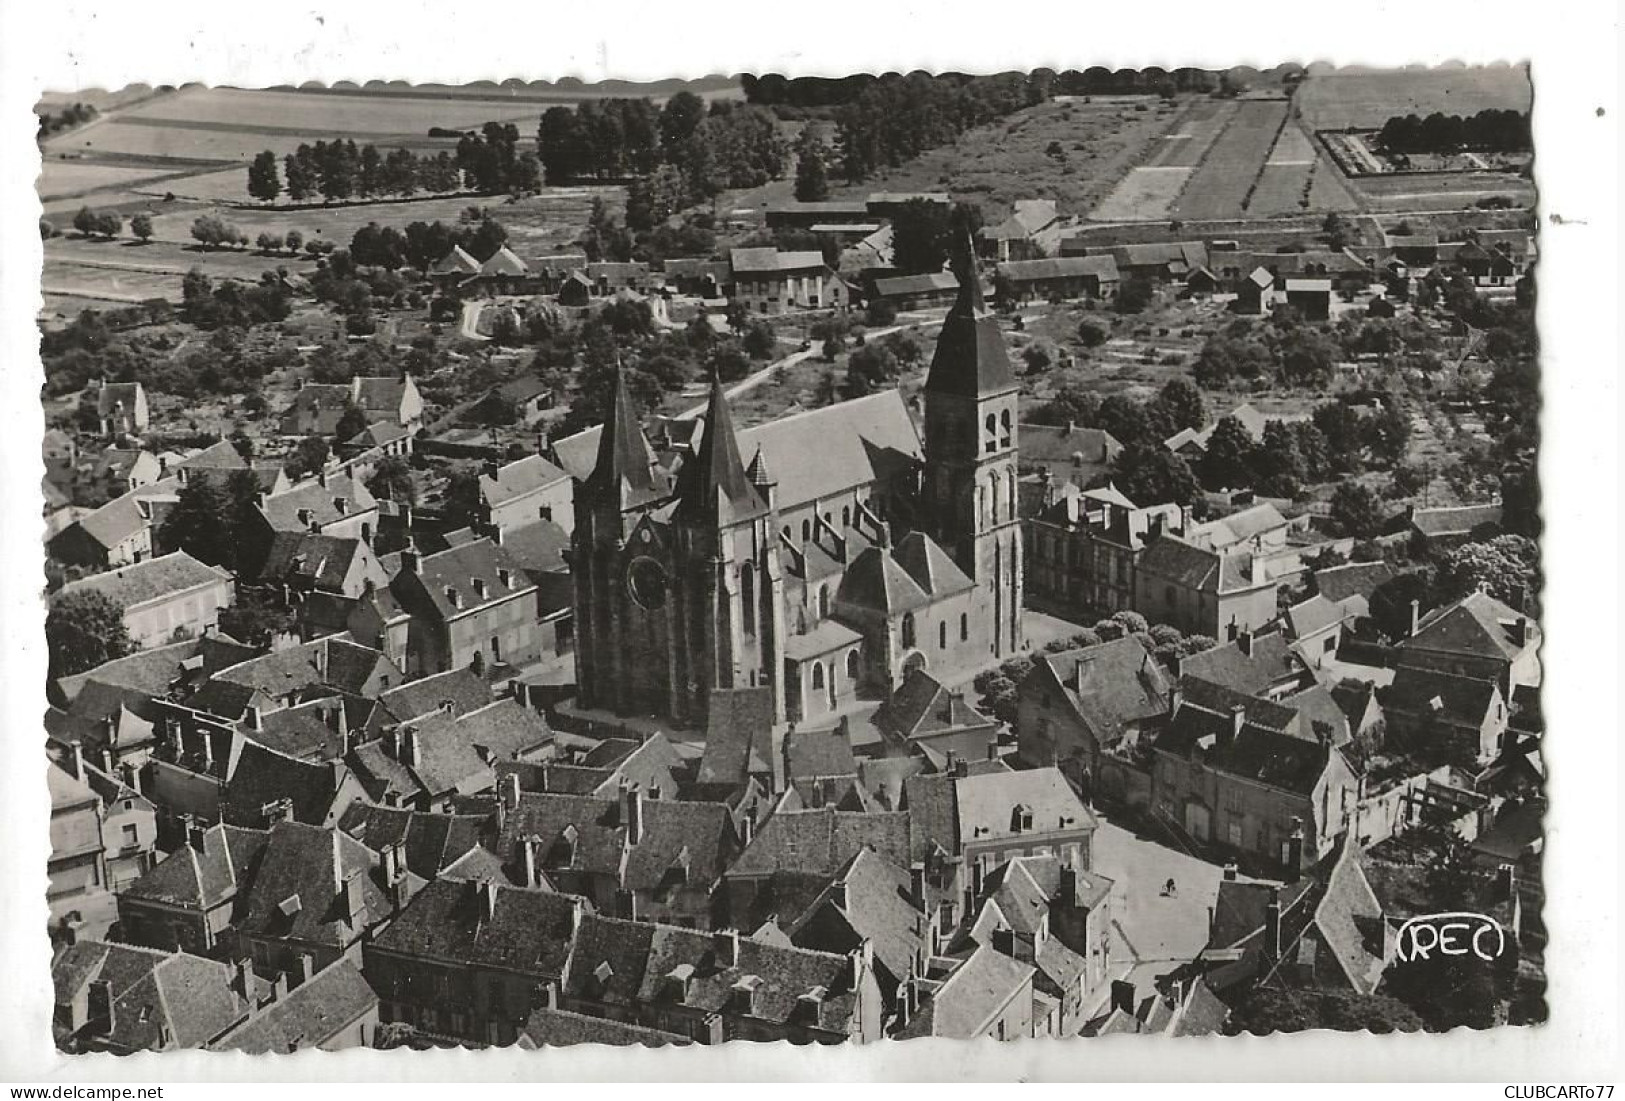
504 578
1021 819
340 505
453 597
478 584
305 516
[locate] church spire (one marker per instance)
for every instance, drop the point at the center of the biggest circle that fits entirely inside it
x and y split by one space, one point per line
971 360
713 484
624 457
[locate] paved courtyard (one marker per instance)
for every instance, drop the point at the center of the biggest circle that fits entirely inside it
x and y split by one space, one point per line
1163 928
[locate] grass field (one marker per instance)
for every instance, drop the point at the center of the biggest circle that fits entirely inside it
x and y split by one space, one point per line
1444 191
1191 136
1285 180
1220 185
997 164
61 179
1144 195
1365 100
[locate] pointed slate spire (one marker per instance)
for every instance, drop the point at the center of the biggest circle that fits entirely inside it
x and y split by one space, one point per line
713 484
971 359
758 473
624 458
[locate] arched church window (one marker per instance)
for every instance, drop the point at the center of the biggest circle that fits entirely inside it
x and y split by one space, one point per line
846 517
818 674
823 601
747 598
1004 429
806 530
852 665
964 627
908 629
942 635
990 444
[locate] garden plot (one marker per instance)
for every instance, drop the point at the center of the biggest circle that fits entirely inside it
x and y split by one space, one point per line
1219 188
1145 195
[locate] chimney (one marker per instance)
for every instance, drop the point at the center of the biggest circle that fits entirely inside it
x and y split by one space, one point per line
961 769
487 892
747 827
863 962
916 884
1416 616
1520 631
1506 881
1238 719
241 981
510 790
528 848
1244 642
1230 872
1231 630
492 469
1123 996
632 812
478 584
251 716
321 477
977 876
355 904
1079 677
1066 893
952 763
196 833
338 861
279 987
409 748
992 748
100 1006
393 865
1176 696
1295 846
837 894
726 943
409 561
1272 928
307 967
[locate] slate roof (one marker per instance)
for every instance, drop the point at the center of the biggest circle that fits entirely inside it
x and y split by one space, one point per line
1319 714
282 510
871 897
519 478
785 975
464 690
317 1011
457 754
970 359
458 568
1242 905
692 836
1062 446
963 1007
306 557
152 992
902 286
878 582
333 661
432 842
928 564
309 731
154 579
921 706
1460 699
1477 625
1461 520
1103 268
825 638
202 880
817 754
562 1028
1271 663
738 735
821 841
1267 750
985 802
529 931
1338 583
755 261
857 442
114 522
1174 559
1121 684
1348 920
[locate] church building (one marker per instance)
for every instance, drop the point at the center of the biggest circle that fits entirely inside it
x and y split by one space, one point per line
821 555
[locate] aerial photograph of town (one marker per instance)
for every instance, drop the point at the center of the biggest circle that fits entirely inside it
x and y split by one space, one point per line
834 560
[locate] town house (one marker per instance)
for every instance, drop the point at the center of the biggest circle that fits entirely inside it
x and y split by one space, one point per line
164 599
471 606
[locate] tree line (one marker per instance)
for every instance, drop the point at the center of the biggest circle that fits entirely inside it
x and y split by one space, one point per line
1490 130
896 118
488 163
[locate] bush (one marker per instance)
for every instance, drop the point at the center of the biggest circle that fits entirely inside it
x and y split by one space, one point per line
1092 334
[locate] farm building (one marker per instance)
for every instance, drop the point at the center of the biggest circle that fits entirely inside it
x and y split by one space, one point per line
1312 298
1162 261
1487 267
873 253
1348 273
769 281
886 204
454 268
607 277
1202 282
914 292
503 273
551 271
1062 277
794 215
1256 293
576 290
1411 248
698 277
1030 233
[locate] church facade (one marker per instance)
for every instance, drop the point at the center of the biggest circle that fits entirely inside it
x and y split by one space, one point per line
817 557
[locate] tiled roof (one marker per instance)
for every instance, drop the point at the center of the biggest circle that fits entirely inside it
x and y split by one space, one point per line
922 706
825 638
1111 685
608 959
928 564
900 286
871 897
814 754
309 731
329 1002
432 842
694 837
456 262
114 522
296 892
262 776
1461 520
1427 692
1267 750
1319 715
1270 663
784 974
332 661
821 841
526 931
738 735
933 815
201 880
1103 268
1057 447
504 262
160 1001
307 557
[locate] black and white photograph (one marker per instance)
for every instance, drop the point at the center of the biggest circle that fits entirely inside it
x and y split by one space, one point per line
1053 552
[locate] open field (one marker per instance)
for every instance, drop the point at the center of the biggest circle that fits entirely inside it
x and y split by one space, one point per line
1197 129
61 179
1285 181
1219 187
996 164
110 284
1341 100
164 140
1442 191
1145 195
